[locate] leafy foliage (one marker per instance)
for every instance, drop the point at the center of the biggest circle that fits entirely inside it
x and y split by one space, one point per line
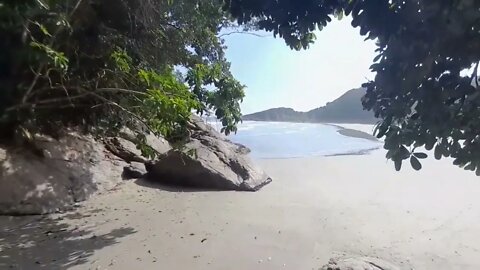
228 92
110 64
421 90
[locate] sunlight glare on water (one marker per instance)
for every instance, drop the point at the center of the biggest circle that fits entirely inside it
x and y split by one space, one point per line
292 140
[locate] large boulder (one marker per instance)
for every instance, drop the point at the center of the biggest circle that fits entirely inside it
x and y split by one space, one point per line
67 171
358 263
208 160
64 171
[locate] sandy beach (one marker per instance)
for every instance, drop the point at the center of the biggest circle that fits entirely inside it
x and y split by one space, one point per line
315 209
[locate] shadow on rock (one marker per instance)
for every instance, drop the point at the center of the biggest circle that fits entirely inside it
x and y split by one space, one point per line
46 243
170 187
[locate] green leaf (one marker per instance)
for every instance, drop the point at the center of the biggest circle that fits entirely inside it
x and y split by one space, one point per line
438 152
404 153
470 167
416 165
380 131
398 164
390 154
43 29
339 14
377 57
420 155
59 59
429 144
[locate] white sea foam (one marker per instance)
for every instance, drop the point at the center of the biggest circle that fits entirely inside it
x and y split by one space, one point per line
290 140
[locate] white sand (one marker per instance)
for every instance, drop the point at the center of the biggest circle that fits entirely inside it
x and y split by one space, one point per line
315 208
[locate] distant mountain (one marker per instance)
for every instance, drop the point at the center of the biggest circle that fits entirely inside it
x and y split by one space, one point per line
345 109
276 115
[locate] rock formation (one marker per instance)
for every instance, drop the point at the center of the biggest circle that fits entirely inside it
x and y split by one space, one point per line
208 160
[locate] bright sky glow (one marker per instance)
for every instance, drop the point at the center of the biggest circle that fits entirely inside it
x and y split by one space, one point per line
276 76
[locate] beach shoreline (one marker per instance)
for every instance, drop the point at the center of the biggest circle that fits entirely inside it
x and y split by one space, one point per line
316 208
361 131
362 144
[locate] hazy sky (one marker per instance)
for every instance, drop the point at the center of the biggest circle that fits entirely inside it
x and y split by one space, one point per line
276 76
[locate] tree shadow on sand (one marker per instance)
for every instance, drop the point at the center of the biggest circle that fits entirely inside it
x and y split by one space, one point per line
35 242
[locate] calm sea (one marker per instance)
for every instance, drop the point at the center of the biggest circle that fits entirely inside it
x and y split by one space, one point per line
291 140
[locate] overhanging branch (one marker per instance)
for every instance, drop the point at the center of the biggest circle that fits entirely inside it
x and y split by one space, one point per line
242 32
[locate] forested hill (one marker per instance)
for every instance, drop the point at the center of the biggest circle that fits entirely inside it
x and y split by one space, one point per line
345 109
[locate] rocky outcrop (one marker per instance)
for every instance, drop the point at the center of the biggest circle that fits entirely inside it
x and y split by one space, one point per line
67 171
358 263
124 147
208 160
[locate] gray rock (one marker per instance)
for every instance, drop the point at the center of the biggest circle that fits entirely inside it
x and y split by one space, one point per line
208 160
124 149
75 167
66 171
135 170
159 144
358 263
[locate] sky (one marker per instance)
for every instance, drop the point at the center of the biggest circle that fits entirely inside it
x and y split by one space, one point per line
277 76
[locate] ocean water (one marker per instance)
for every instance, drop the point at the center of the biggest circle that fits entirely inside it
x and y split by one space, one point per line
292 140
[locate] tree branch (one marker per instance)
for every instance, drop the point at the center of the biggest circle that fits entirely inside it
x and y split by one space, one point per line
45 101
121 90
68 98
42 65
242 32
124 110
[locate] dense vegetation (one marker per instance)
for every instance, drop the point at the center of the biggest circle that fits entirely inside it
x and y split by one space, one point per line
147 64
345 109
422 91
108 64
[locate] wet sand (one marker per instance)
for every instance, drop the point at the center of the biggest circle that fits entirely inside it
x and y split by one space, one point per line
361 131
